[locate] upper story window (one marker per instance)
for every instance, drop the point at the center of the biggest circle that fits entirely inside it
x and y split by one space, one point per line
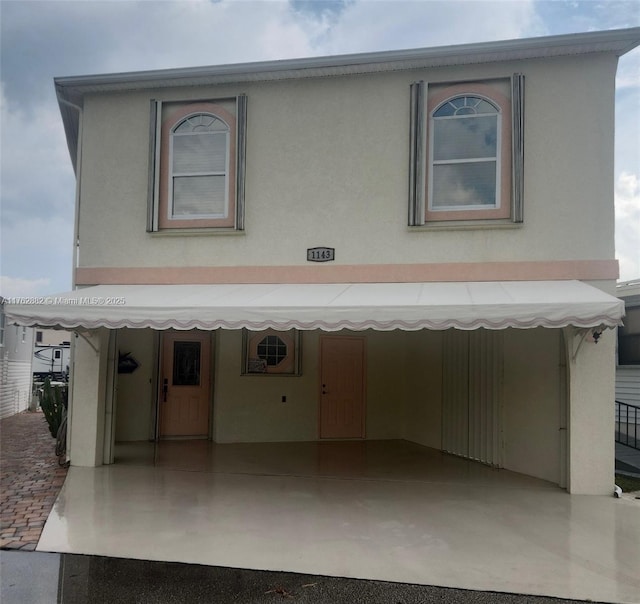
465 149
199 168
197 176
466 152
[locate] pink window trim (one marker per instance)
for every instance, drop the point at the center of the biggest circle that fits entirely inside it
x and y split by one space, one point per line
504 105
164 222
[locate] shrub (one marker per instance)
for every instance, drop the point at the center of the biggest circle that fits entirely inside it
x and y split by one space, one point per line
53 402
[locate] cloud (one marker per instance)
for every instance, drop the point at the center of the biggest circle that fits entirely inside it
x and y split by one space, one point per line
371 26
627 200
40 250
11 286
61 38
586 15
35 171
38 197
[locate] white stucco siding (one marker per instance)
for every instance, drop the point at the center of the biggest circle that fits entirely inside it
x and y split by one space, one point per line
246 408
533 387
423 389
591 388
135 409
250 409
569 152
327 164
87 404
386 380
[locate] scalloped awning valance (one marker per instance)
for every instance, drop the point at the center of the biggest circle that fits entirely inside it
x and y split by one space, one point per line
327 306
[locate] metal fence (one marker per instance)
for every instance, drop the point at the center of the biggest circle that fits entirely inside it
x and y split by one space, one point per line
628 424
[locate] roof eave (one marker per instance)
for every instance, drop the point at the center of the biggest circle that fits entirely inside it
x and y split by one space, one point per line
71 90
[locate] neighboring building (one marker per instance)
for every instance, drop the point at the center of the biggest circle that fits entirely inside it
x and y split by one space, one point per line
628 368
52 354
51 361
53 337
16 350
407 245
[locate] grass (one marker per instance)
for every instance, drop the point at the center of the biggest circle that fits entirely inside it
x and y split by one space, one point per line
627 483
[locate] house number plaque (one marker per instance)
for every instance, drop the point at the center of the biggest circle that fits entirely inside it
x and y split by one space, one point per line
321 254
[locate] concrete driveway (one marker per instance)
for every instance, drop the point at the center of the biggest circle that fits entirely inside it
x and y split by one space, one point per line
389 511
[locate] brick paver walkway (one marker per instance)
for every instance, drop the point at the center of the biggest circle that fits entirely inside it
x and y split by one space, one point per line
30 479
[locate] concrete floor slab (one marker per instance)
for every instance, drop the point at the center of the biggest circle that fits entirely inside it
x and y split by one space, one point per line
470 527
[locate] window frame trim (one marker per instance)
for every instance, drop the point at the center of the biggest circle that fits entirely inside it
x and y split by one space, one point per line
158 220
502 210
418 145
176 117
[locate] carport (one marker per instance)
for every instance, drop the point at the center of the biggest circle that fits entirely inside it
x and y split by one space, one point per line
519 374
380 509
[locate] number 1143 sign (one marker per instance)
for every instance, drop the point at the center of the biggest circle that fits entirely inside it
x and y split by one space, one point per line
321 254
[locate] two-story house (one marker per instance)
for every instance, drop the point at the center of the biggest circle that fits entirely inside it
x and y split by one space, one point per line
413 245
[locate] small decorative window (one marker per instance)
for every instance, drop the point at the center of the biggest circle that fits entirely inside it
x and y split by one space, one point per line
271 352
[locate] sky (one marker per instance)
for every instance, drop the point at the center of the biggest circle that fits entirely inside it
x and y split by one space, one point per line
44 39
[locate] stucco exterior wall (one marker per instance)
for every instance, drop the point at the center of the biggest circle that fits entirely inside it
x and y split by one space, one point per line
423 389
250 408
591 381
87 413
533 385
327 164
135 409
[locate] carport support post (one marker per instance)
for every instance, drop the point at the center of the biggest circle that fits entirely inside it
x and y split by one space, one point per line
590 395
89 387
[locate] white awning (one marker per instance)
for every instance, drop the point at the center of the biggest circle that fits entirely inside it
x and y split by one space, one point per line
327 306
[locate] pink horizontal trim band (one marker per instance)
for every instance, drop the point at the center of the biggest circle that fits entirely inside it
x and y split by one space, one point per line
584 270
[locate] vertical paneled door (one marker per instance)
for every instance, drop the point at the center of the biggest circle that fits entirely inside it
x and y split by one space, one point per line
184 388
472 395
342 392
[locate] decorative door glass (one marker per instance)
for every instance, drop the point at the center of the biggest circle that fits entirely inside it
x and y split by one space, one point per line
186 364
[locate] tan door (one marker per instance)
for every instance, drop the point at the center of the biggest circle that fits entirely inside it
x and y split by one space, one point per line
342 394
184 385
